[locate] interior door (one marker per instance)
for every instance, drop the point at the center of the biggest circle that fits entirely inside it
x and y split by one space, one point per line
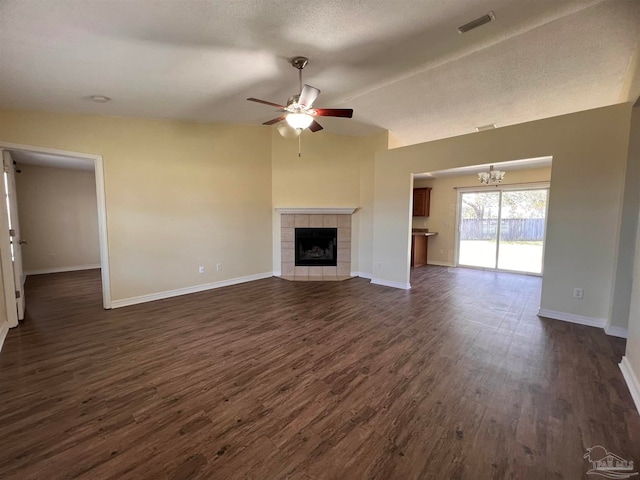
15 240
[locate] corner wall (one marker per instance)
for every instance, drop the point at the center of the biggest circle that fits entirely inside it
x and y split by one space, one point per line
631 362
628 221
334 171
589 151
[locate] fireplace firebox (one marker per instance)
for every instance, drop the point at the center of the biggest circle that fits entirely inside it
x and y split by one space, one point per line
316 247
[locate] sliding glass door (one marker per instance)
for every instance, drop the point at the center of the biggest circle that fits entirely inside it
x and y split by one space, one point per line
502 229
478 229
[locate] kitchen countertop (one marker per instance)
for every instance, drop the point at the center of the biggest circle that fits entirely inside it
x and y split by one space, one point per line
422 231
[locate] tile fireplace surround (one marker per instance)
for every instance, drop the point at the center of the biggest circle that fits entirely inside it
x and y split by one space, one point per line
292 218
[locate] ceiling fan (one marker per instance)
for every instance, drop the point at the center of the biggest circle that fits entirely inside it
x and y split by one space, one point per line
299 112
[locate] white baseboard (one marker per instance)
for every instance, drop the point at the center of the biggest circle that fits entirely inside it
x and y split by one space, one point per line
4 329
632 381
582 320
616 331
440 264
187 290
74 268
277 274
387 283
361 275
572 318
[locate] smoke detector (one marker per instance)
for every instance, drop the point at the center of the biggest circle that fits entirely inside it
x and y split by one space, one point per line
99 99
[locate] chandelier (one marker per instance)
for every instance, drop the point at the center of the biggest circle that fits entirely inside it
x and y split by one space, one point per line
492 177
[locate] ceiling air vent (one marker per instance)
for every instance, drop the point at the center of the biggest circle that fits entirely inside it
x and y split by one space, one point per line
482 128
478 22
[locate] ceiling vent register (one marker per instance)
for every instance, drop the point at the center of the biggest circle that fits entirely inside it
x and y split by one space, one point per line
478 22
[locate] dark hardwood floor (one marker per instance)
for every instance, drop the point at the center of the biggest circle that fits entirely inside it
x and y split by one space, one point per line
455 379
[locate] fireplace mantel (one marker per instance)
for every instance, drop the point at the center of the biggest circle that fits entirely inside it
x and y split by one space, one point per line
316 211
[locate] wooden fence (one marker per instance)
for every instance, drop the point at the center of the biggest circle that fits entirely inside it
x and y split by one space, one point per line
511 229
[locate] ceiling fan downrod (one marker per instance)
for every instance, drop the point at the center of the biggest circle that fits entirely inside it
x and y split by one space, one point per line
299 63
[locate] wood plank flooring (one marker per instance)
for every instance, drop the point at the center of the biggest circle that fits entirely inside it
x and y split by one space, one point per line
455 379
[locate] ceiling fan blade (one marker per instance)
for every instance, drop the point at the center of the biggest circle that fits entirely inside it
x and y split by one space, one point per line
265 102
275 120
308 95
334 112
315 126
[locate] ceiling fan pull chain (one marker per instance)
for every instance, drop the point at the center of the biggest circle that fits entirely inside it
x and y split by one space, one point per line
299 146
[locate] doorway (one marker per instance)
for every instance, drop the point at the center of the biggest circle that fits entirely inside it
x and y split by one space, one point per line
503 229
49 157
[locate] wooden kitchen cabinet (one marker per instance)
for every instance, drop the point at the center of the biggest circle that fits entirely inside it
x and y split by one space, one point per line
421 201
419 245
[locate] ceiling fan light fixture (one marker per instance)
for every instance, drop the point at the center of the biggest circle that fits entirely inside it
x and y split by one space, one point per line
299 120
287 132
299 112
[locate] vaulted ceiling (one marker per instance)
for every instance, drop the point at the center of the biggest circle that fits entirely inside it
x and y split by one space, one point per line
401 66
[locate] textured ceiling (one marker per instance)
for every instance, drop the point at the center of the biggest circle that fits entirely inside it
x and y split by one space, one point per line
401 65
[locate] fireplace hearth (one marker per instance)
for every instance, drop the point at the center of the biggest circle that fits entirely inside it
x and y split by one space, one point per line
316 247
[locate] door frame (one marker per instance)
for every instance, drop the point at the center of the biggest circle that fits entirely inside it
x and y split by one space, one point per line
8 275
15 234
101 206
501 188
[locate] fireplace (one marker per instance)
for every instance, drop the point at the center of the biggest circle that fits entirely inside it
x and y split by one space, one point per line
330 260
316 247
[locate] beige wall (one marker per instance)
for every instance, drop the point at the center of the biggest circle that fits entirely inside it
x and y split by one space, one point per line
628 223
58 217
444 199
589 151
633 340
184 194
334 171
178 195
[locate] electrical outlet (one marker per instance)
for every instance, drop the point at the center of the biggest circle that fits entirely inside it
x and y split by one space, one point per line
441 252
201 269
578 293
218 266
379 265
